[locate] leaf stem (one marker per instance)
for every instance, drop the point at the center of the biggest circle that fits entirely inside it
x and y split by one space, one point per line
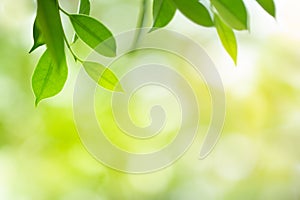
62 10
76 58
141 21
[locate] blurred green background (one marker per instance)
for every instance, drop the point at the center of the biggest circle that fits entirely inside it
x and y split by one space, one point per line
257 156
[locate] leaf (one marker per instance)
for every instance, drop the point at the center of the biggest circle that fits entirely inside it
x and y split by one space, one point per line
163 13
49 21
94 34
37 37
48 78
195 11
84 8
227 37
103 76
269 6
233 12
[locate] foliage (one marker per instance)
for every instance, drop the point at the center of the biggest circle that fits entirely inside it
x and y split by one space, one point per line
50 75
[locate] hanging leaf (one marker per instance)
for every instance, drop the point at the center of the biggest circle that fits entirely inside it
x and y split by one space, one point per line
195 11
37 37
84 8
103 76
94 34
227 37
49 22
269 6
233 12
163 13
48 78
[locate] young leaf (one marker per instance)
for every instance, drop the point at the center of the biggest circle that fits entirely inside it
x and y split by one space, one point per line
233 12
48 19
94 34
84 8
37 37
227 37
163 12
269 6
195 11
103 76
48 78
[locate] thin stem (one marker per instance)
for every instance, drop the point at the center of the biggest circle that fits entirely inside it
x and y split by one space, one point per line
62 10
141 21
143 14
71 50
66 40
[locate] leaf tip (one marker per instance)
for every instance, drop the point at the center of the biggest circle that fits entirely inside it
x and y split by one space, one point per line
235 62
34 47
119 88
37 101
234 58
153 29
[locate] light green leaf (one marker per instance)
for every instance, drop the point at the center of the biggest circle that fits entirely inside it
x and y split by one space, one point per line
84 8
37 36
163 12
48 78
94 34
195 11
269 6
233 12
49 21
103 76
227 37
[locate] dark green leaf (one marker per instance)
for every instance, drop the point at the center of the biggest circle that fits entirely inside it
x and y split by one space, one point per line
37 36
84 8
227 37
269 6
163 12
48 78
233 12
48 19
94 34
195 11
103 76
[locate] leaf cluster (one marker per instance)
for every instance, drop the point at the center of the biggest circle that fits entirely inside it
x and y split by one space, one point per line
51 72
226 16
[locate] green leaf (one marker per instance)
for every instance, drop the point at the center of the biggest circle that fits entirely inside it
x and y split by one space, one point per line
269 6
94 34
103 76
233 12
227 37
195 11
49 21
163 13
48 78
84 8
37 36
